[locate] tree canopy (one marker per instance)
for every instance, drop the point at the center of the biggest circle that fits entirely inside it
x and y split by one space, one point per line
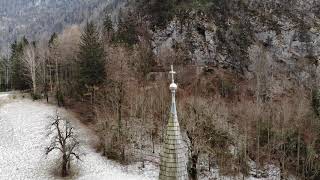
91 57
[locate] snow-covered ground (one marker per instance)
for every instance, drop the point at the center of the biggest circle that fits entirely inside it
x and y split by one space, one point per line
4 96
23 140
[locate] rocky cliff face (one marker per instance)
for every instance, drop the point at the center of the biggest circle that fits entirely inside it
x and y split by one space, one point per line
232 35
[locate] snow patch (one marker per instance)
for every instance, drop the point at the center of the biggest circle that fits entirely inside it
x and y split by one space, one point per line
23 141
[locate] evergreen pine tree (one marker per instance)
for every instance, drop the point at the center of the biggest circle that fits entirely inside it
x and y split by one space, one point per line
107 24
108 29
127 32
2 73
19 81
53 40
91 56
161 12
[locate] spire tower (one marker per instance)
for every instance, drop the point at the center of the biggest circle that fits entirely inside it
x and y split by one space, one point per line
173 160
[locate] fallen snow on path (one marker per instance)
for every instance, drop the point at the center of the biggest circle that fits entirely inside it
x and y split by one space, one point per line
4 96
23 141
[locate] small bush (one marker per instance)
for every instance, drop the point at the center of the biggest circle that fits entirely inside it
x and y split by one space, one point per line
35 96
226 88
114 150
243 163
266 133
60 98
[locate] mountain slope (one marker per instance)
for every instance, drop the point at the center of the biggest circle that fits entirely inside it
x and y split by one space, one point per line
40 18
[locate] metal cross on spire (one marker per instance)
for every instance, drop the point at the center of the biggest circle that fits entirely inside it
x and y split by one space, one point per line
172 72
173 86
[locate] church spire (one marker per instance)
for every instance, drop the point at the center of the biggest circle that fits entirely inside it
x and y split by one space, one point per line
173 160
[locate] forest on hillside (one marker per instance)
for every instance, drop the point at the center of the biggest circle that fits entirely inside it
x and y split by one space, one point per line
247 70
38 19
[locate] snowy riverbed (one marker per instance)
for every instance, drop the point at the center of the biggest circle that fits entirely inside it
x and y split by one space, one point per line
23 141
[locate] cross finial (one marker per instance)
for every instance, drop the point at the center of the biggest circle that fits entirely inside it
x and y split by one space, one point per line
172 73
173 86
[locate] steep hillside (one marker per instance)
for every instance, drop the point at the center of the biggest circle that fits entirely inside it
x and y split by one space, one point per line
223 32
40 18
238 35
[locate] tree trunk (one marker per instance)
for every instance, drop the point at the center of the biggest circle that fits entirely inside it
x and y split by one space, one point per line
298 153
209 162
152 139
193 166
193 160
34 85
57 72
281 171
258 150
64 171
69 164
120 134
50 79
7 79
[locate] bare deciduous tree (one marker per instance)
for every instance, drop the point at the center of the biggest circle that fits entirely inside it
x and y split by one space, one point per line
30 63
205 135
64 140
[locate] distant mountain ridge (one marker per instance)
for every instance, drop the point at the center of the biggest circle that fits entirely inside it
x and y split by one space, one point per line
40 18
